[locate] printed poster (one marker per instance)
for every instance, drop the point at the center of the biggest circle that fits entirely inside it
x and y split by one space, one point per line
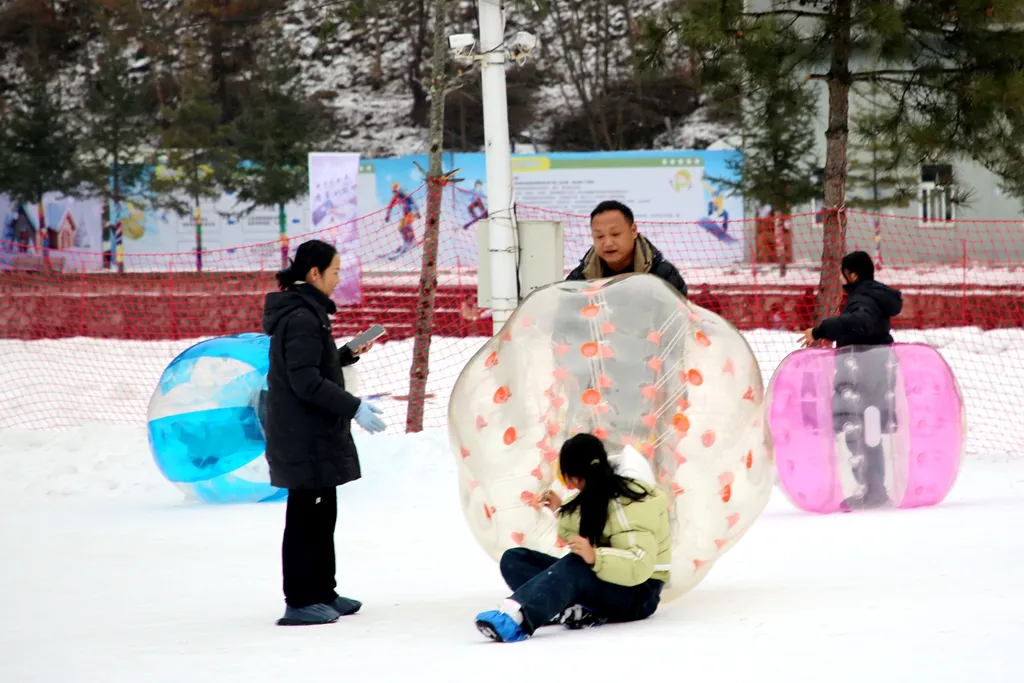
689 217
334 215
235 237
388 193
68 237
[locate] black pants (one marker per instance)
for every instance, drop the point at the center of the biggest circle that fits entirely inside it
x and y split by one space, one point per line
865 377
307 551
545 586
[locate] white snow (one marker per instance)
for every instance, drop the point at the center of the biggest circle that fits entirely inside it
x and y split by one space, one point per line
57 384
107 576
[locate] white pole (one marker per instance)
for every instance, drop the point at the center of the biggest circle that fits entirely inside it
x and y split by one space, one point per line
501 231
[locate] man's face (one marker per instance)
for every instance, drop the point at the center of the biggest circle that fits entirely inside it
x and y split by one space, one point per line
847 277
614 237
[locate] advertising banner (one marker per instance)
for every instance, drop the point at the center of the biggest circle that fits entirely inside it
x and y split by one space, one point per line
334 215
371 210
672 194
235 237
67 236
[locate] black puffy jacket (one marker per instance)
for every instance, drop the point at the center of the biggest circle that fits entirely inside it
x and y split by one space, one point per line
646 259
309 413
866 316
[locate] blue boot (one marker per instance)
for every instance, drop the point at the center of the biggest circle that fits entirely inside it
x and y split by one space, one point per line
308 616
500 627
346 606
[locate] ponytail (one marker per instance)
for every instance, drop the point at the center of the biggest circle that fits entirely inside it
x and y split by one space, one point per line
312 254
285 278
584 456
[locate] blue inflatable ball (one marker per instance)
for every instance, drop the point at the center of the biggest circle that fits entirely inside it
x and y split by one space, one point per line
205 421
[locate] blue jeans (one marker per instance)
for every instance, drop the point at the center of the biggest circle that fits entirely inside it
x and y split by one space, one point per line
546 586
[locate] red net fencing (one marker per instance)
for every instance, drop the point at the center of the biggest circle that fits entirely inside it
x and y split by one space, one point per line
88 347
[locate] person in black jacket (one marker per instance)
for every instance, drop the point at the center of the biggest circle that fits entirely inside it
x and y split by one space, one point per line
308 429
870 306
619 248
864 378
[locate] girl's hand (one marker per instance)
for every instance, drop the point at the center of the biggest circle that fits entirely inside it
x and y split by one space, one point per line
582 547
362 349
551 501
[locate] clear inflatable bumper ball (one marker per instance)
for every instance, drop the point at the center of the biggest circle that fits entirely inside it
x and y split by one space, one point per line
205 429
863 427
632 362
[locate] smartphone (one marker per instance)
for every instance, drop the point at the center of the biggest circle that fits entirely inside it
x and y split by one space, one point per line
373 334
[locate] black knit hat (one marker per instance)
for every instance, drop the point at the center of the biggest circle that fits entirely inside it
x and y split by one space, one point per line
859 262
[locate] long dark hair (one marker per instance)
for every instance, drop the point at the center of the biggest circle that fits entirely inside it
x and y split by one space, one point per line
583 456
309 255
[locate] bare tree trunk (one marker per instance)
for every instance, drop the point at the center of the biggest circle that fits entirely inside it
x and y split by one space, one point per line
574 55
463 133
377 70
435 188
420 106
836 138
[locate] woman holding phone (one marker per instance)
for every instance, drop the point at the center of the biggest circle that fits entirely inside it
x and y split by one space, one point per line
310 448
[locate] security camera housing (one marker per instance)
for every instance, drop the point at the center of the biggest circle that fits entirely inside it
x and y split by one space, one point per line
461 43
525 42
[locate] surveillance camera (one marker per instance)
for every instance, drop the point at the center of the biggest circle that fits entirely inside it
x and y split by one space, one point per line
461 43
525 42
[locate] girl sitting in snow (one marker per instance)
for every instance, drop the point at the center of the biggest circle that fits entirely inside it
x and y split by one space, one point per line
617 528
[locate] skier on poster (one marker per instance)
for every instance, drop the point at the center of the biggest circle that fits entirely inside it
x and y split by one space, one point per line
409 216
717 220
477 209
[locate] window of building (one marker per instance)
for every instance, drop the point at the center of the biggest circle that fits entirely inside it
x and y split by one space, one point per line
935 194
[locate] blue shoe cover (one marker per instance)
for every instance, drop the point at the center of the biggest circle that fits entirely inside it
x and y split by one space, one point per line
499 627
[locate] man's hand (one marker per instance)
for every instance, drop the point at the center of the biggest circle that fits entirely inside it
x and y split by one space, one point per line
582 547
806 339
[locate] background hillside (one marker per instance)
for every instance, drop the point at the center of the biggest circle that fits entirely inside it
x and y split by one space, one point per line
366 62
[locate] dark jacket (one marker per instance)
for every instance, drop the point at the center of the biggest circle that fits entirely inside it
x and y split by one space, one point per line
646 259
865 318
309 413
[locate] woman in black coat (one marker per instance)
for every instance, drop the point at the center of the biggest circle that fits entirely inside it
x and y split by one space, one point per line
308 428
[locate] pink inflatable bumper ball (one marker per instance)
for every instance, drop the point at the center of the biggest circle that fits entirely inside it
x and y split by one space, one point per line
866 427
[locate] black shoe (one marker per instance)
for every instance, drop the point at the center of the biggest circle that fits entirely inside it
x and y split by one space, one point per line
308 616
870 501
577 617
346 606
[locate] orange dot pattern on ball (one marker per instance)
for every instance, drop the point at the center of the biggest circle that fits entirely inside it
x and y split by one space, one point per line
682 356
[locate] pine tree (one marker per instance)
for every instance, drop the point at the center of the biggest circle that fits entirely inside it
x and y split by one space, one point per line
276 129
878 176
777 124
38 141
192 145
951 75
118 131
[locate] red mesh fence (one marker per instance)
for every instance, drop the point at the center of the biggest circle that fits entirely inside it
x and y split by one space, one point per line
85 347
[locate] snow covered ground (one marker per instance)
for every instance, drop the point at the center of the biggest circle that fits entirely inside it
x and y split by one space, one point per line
108 576
106 381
